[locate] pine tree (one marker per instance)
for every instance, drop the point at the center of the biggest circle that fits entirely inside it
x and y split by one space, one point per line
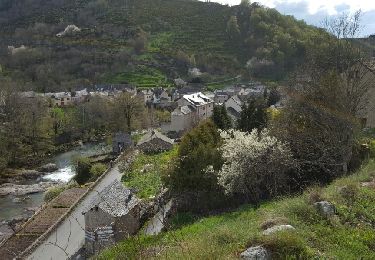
221 118
253 115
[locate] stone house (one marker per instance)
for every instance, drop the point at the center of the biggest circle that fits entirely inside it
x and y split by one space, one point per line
155 142
146 95
191 109
234 107
113 215
80 96
121 141
221 96
60 99
202 105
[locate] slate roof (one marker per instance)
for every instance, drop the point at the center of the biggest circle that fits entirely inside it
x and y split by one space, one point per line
152 135
115 199
197 99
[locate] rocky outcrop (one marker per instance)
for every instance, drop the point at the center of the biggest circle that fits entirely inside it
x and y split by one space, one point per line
19 190
161 220
278 228
325 208
69 30
49 167
256 253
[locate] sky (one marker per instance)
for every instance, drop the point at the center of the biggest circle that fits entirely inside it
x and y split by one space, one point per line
315 11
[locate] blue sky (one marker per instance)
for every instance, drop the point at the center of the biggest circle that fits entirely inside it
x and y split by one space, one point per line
314 11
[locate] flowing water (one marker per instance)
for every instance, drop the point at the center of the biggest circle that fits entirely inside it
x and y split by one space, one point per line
12 206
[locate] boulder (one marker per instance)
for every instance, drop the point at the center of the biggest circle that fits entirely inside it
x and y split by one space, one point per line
256 253
325 208
20 190
278 228
30 174
49 167
5 231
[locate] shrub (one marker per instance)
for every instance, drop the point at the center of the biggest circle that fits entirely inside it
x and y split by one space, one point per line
284 245
372 148
314 194
53 192
97 169
255 164
198 159
83 173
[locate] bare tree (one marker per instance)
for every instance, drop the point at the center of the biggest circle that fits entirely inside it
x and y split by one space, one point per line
128 108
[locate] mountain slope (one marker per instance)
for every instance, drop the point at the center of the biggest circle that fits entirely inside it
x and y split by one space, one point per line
162 38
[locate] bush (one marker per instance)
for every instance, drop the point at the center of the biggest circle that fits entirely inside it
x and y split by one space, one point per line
255 164
284 245
372 148
83 173
53 192
97 169
198 160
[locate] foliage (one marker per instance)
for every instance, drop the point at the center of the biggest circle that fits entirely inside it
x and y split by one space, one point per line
127 111
221 118
97 169
53 192
119 36
146 171
319 127
253 115
273 97
198 159
226 235
83 173
255 164
372 148
233 29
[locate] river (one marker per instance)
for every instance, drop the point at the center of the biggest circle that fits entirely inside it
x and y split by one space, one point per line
12 206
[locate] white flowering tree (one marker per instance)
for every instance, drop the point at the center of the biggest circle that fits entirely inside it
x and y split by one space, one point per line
255 164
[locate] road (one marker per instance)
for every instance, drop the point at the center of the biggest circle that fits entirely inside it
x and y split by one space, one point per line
69 236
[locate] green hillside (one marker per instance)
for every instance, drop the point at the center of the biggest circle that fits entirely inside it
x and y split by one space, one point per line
347 235
123 41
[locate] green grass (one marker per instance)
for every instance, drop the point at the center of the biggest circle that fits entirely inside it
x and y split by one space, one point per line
141 76
148 182
348 235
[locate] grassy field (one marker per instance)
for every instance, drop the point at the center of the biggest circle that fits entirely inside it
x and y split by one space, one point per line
145 173
348 235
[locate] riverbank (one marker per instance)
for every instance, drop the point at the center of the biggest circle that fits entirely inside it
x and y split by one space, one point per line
67 226
25 189
35 169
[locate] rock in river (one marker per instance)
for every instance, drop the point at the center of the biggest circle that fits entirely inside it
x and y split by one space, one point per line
19 190
49 167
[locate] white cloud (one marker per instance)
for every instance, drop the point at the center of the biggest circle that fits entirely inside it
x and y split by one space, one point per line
315 6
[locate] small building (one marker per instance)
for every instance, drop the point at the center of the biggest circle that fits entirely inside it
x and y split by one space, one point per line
113 215
121 141
234 107
60 99
155 142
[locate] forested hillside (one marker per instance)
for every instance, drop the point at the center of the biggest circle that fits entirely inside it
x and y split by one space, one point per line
145 42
